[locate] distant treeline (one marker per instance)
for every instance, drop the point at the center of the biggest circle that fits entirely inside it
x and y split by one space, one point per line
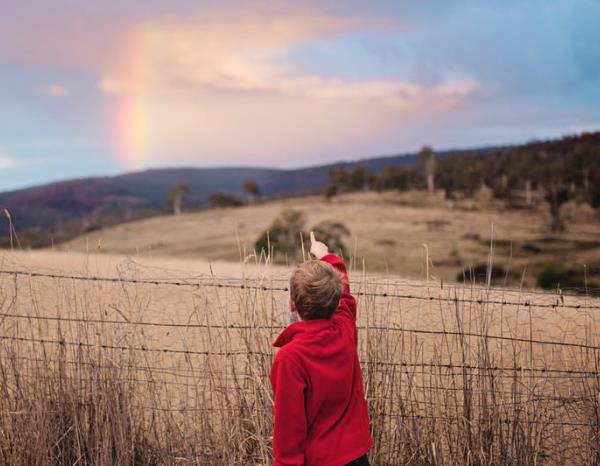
564 169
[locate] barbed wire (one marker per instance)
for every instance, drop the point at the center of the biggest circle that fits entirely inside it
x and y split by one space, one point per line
398 416
209 374
187 372
116 380
479 372
275 327
455 371
230 353
138 281
140 323
483 336
136 348
431 284
559 402
490 419
441 365
196 374
559 303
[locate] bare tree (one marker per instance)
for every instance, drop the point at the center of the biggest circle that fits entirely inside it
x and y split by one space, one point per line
528 191
585 172
176 196
428 164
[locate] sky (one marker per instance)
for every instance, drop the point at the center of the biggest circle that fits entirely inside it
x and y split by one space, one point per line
100 88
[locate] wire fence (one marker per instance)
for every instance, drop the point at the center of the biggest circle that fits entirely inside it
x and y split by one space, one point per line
559 300
469 358
31 317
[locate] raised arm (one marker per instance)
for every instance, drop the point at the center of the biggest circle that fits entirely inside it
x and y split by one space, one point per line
347 306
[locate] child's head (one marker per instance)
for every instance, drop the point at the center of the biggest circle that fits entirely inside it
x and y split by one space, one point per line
315 290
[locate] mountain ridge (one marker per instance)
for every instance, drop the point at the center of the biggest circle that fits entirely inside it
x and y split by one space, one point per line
60 210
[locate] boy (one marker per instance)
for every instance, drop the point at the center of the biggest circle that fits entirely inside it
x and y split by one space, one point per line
320 412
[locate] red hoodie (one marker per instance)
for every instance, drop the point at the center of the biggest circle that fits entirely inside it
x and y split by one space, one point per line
321 416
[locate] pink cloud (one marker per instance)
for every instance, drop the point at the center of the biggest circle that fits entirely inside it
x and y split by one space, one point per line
222 83
247 50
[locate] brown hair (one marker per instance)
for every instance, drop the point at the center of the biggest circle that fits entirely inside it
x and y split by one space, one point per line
316 288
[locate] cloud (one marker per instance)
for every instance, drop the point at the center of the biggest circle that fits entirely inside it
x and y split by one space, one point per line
250 51
183 86
229 49
56 90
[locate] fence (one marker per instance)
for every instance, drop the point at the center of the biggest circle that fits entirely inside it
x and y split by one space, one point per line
132 369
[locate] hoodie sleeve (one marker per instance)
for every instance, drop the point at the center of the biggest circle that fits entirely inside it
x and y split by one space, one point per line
290 429
347 306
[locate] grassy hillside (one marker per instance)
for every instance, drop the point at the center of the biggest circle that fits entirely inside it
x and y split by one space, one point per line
388 234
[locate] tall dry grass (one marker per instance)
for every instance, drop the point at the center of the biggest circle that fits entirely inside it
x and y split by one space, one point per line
97 372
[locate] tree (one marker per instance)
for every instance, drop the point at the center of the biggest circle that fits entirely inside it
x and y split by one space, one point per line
282 239
462 175
428 164
176 196
339 181
503 188
342 180
400 177
360 178
332 234
554 174
252 190
556 195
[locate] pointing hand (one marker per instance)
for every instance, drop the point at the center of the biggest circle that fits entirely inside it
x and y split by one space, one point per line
317 248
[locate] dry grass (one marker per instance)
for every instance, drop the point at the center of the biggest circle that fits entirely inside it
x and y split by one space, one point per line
388 231
135 373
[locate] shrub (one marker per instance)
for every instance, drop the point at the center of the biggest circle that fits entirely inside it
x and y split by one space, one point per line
282 239
332 234
225 200
478 274
554 275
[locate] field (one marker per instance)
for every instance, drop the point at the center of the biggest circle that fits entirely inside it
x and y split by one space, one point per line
111 360
388 234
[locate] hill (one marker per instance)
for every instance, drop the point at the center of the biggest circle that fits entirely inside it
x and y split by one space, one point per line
388 232
47 214
58 211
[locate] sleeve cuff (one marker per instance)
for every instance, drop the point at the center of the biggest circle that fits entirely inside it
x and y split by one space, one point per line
330 257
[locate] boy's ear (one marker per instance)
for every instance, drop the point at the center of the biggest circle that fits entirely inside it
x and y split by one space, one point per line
294 309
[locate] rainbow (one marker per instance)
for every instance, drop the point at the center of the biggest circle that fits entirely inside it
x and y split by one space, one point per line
130 132
129 117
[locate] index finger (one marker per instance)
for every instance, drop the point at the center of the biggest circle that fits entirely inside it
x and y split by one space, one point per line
312 237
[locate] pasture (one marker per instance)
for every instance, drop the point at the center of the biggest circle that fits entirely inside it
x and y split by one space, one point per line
106 360
387 232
